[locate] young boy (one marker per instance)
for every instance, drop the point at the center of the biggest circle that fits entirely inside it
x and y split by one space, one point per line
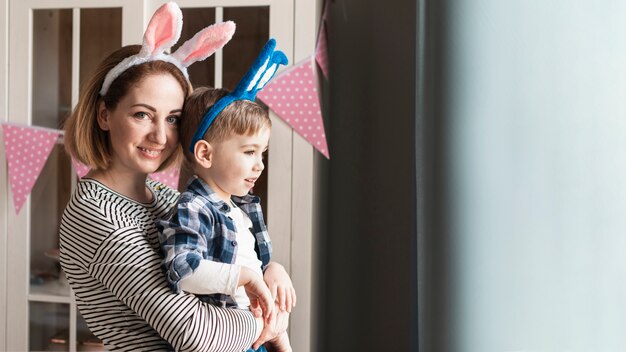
216 243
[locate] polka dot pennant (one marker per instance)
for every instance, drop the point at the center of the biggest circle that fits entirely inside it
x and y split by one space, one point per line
321 56
80 168
27 149
292 95
168 177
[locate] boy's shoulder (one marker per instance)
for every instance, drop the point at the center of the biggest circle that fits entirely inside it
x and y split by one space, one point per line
199 195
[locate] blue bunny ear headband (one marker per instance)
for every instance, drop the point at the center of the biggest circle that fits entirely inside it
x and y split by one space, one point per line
259 74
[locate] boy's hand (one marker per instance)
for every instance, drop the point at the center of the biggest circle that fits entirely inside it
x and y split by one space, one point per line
261 301
280 286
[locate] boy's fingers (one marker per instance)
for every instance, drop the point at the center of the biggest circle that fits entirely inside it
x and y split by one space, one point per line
269 309
273 289
255 308
268 302
281 298
289 300
257 312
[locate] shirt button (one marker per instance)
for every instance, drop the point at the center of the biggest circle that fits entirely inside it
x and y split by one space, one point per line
234 243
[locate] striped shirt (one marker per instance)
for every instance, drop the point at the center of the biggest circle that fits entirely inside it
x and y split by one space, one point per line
109 253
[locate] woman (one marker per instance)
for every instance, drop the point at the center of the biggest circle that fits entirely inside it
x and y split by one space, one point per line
125 127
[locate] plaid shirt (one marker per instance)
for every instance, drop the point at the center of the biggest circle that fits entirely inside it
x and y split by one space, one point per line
200 229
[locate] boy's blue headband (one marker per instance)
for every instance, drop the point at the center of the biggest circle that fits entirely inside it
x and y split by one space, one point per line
259 74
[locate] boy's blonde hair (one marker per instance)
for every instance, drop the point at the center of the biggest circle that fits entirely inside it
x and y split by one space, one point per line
241 117
84 139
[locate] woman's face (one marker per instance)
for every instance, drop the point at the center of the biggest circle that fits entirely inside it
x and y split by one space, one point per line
143 128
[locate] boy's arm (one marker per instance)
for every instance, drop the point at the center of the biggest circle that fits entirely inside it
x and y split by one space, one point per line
212 277
183 240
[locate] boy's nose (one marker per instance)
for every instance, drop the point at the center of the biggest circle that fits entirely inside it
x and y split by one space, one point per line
260 166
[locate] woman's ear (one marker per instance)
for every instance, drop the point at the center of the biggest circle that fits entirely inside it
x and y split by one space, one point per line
103 116
203 153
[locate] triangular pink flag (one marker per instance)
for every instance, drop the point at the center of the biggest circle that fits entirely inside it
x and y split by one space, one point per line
293 96
27 149
321 55
80 168
168 177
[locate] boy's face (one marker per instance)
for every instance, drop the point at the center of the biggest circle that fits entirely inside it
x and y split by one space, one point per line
236 164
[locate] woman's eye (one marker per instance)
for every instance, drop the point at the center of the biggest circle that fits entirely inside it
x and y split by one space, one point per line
249 152
173 120
141 115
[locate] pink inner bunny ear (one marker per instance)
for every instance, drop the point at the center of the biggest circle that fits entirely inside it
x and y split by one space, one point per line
164 29
205 43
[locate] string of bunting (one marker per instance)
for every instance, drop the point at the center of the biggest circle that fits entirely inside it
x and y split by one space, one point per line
292 95
27 148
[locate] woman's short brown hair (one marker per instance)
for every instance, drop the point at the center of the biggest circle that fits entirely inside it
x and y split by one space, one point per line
241 117
84 139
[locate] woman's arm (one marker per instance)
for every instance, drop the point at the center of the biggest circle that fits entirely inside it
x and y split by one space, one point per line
128 266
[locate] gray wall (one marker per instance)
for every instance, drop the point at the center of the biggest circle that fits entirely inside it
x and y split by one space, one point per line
536 160
489 137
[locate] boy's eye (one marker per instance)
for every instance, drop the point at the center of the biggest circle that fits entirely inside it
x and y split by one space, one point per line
249 152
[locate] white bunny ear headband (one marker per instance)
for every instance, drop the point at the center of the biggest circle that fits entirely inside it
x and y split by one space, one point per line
162 33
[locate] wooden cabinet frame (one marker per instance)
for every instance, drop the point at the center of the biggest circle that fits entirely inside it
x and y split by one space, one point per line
290 207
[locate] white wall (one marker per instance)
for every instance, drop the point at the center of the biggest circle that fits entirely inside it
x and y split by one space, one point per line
4 32
537 157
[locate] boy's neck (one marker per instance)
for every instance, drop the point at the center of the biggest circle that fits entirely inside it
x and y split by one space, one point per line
214 187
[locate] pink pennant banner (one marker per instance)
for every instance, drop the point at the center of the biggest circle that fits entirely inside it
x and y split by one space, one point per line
321 55
292 95
80 168
168 177
321 52
27 149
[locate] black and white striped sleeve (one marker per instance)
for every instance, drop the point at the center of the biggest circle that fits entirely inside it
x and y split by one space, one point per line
126 264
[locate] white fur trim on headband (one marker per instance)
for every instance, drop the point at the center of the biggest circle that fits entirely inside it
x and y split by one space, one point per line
162 33
134 61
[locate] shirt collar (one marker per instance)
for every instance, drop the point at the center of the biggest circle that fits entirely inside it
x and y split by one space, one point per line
198 186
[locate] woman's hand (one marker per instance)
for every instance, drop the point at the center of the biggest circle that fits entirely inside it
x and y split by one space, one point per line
274 332
280 286
261 300
279 344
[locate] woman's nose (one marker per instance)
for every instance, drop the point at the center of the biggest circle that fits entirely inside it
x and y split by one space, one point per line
158 133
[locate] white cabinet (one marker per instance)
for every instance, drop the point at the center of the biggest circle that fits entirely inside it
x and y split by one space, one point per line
52 46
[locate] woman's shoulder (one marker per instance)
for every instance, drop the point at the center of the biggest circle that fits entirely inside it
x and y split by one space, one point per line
162 191
94 201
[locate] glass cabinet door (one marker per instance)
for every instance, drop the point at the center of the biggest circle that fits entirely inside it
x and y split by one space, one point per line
54 320
66 45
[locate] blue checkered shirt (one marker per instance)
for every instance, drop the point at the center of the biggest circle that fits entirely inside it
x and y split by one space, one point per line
200 229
